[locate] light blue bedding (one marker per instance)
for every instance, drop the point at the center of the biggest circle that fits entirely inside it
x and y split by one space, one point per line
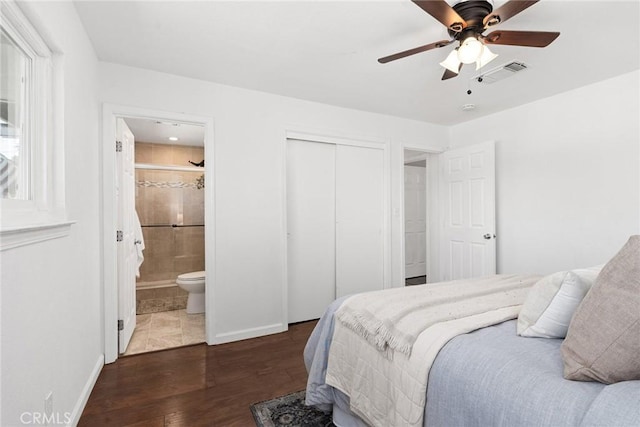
492 377
316 353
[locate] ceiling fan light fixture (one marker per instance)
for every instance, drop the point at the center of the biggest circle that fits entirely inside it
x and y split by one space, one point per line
452 63
485 57
466 21
470 50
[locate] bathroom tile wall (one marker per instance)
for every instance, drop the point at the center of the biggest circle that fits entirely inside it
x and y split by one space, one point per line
170 252
165 198
164 154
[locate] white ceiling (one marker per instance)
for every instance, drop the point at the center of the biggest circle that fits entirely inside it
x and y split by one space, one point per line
159 132
326 51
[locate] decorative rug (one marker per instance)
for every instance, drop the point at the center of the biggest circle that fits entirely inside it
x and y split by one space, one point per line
289 411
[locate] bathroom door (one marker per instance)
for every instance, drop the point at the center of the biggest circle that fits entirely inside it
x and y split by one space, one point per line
127 256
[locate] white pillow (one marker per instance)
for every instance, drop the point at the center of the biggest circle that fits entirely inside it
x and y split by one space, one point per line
552 301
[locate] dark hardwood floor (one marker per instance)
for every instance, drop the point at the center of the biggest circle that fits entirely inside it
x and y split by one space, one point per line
199 385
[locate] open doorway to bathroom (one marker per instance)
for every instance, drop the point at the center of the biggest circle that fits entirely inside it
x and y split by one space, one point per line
119 303
169 234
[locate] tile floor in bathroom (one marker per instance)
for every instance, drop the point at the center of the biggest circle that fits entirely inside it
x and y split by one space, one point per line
166 329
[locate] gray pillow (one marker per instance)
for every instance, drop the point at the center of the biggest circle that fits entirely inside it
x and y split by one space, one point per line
603 341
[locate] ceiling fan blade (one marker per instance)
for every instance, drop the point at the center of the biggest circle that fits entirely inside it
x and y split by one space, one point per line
441 43
448 74
506 11
444 13
521 38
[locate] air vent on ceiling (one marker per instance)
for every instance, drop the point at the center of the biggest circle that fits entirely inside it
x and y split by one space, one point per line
158 122
501 72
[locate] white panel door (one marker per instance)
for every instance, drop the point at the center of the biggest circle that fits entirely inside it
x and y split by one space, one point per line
359 219
310 228
467 198
127 256
415 221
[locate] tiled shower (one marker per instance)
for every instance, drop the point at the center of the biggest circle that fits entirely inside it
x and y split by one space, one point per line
170 205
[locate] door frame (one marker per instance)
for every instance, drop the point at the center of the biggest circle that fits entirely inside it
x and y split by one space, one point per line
320 137
109 265
431 195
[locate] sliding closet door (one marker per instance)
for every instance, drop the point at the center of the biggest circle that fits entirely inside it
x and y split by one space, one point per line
359 219
310 228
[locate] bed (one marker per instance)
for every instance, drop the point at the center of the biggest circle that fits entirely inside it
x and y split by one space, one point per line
487 377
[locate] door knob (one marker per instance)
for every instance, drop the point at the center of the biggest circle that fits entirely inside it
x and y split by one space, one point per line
487 236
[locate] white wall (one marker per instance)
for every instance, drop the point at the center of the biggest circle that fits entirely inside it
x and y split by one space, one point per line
568 192
249 166
51 293
568 196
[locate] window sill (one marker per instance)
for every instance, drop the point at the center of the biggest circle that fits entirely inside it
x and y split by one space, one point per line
28 235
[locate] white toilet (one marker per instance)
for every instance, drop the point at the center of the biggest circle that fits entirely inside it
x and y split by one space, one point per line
194 284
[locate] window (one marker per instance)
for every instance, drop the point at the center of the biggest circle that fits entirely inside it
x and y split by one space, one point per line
15 65
31 202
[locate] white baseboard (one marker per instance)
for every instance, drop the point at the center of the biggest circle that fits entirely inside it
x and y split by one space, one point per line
86 392
250 333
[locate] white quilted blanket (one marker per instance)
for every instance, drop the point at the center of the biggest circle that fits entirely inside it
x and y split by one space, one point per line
385 342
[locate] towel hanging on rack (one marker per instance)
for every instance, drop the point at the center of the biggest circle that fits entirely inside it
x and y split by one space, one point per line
138 241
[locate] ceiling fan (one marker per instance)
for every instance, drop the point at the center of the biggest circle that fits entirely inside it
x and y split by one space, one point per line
466 21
